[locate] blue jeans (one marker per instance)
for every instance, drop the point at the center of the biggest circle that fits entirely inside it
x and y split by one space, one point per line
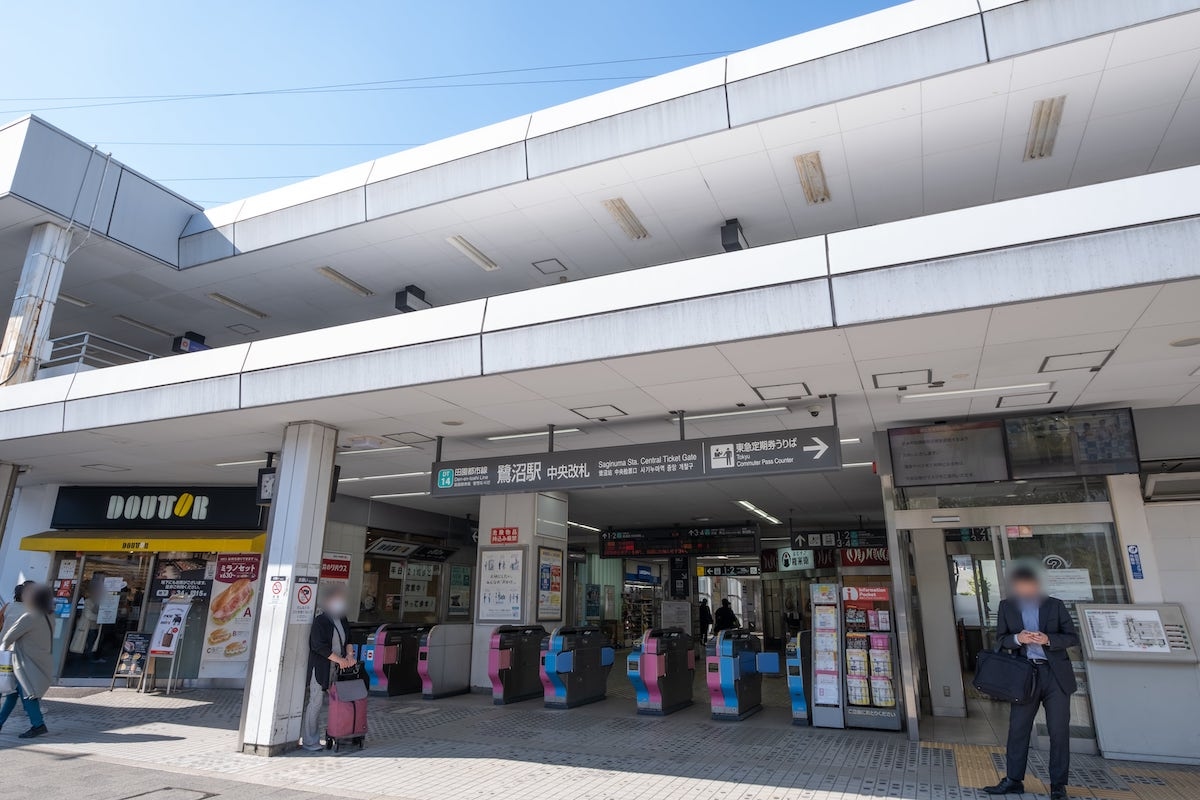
33 708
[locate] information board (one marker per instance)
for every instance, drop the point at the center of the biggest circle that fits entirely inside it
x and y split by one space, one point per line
751 454
500 585
730 541
135 652
841 538
964 452
1126 630
550 584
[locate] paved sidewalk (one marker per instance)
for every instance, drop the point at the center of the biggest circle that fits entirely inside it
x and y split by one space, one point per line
466 748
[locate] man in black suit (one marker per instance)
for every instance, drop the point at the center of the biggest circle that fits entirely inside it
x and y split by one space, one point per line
1042 629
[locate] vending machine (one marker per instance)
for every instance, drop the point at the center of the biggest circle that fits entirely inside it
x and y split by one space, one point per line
870 658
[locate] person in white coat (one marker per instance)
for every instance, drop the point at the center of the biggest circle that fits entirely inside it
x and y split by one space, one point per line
30 638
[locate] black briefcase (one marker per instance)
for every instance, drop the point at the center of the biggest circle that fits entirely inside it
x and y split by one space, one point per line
1005 676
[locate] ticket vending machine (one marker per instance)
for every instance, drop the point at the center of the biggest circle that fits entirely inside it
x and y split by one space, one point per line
1143 681
795 681
734 668
662 669
514 655
575 666
444 661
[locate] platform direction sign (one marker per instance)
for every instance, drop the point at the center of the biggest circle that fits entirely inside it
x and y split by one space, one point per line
737 456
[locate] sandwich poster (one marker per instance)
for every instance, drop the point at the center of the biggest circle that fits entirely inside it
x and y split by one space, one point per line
229 624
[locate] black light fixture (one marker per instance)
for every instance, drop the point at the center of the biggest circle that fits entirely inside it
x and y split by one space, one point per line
411 298
732 236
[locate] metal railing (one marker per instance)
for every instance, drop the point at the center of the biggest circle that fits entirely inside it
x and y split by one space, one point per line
92 351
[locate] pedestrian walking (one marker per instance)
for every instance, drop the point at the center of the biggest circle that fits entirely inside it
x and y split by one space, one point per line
706 620
30 639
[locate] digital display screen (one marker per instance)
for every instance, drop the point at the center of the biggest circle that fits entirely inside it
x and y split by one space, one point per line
934 455
1074 443
732 541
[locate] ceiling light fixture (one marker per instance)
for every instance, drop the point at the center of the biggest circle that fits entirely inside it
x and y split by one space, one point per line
373 450
399 494
106 467
581 525
241 463
960 393
858 464
531 434
738 413
412 298
229 302
783 391
472 252
73 300
145 326
852 440
812 177
1043 127
383 477
1189 342
345 282
746 504
624 216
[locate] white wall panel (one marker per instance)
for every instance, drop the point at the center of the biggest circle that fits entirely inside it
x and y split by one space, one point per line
147 217
12 138
62 174
1127 257
443 151
296 222
211 245
191 398
220 361
476 173
786 262
400 330
35 393
295 194
911 57
31 421
1035 24
365 372
644 128
742 315
1133 201
214 218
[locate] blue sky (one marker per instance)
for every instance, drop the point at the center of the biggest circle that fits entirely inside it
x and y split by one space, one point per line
129 50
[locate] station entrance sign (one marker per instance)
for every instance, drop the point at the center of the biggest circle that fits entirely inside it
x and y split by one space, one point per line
744 455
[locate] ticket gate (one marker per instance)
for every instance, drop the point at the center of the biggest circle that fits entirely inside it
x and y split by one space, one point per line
795 681
575 665
391 656
662 668
444 660
514 654
734 669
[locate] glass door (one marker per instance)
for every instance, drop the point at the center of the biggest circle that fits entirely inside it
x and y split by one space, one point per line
109 601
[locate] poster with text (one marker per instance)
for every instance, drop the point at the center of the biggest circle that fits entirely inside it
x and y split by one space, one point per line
550 583
335 571
229 624
460 590
169 630
500 585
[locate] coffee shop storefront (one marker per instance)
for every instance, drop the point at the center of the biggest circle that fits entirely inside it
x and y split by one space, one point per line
117 553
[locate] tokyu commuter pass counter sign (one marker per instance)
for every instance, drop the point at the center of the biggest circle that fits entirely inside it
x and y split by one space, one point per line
744 455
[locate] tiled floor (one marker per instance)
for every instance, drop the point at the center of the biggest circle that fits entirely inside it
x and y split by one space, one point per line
466 748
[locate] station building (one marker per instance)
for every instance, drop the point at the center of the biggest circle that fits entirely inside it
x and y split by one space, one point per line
888 304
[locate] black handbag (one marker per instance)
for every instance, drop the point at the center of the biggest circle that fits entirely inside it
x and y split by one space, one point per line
1005 676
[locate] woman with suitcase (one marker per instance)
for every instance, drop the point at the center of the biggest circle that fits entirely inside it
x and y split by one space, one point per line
328 653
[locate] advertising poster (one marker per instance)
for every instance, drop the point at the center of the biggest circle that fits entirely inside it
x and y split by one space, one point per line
368 595
229 623
169 630
591 601
500 585
335 570
135 651
460 590
182 576
110 600
550 583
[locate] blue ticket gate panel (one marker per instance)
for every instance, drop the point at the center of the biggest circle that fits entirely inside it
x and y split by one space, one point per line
444 661
662 667
734 668
795 681
514 656
575 666
394 651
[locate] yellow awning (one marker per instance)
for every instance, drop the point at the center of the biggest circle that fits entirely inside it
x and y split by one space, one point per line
147 541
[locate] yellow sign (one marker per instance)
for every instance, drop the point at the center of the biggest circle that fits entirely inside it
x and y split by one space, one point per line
172 541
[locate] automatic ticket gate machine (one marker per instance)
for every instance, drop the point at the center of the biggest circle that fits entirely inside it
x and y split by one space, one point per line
444 660
514 655
795 681
734 669
662 667
575 666
391 656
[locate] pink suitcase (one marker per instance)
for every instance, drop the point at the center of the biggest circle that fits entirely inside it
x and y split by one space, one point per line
347 723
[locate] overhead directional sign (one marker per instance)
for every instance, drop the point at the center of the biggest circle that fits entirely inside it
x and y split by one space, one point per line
742 455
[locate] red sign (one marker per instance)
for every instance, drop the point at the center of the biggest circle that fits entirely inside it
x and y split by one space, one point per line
335 568
872 594
233 567
505 535
864 557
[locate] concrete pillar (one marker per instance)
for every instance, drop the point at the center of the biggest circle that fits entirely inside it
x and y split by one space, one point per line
938 631
33 307
534 521
1135 545
296 534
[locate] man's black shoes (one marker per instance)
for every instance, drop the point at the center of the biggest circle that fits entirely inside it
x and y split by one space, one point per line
1058 793
1007 786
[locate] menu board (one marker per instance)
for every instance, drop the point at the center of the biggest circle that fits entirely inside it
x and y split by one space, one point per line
1126 630
135 651
500 585
965 452
1074 443
229 623
550 584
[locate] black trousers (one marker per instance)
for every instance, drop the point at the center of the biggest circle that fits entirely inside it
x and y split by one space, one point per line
1058 724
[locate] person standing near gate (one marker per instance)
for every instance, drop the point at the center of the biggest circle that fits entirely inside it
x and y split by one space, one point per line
1042 629
706 620
724 619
